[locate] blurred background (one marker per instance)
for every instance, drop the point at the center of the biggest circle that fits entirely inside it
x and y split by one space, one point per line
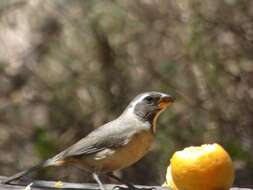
66 67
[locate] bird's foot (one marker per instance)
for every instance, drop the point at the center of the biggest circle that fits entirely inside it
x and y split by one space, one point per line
132 187
101 186
129 186
117 187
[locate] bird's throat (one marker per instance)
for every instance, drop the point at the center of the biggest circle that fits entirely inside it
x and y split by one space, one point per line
150 117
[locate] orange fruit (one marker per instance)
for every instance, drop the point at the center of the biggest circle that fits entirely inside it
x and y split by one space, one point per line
206 167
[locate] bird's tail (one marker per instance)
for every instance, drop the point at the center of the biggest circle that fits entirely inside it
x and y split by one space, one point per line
55 161
25 172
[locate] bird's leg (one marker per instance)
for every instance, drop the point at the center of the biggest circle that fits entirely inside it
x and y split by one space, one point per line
129 185
95 176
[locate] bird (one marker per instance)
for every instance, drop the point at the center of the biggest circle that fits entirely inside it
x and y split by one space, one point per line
116 144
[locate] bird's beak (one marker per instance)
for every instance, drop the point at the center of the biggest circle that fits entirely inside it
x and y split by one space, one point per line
165 101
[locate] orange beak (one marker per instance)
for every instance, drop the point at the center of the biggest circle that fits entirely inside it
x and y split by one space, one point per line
165 101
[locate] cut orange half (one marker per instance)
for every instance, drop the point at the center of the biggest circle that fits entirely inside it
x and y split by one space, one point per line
206 167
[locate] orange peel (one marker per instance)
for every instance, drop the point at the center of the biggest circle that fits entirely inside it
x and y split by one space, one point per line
206 167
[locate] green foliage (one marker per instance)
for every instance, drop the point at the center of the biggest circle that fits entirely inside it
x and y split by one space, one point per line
237 151
44 145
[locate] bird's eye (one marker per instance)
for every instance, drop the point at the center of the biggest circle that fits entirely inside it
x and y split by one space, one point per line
149 100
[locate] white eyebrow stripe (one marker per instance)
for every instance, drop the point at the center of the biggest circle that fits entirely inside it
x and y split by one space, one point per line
134 103
142 96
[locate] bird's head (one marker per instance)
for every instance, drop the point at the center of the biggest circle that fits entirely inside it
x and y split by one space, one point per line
149 105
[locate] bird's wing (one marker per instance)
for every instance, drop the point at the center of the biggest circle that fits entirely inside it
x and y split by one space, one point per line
111 135
94 144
